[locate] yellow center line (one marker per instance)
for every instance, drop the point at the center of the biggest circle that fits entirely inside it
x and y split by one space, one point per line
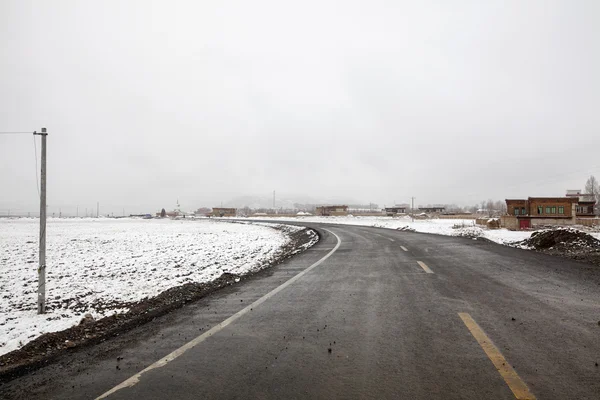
514 382
425 267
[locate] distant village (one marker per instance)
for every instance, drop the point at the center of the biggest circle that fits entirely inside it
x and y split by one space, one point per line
574 208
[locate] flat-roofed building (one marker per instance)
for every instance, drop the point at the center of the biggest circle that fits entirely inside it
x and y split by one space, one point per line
540 211
332 210
223 212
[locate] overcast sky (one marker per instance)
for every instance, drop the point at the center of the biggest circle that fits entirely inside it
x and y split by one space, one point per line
147 102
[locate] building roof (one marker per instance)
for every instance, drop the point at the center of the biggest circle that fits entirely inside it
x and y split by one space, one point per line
568 199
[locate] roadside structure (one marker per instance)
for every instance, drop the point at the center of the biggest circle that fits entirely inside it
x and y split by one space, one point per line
540 211
223 212
397 209
585 203
332 210
434 209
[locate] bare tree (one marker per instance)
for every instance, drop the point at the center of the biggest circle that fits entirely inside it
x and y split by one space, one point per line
490 207
163 213
593 188
500 207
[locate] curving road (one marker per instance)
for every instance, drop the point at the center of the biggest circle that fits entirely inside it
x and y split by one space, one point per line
387 314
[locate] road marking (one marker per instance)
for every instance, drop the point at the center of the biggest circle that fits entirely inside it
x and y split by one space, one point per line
215 329
518 387
425 267
391 240
403 248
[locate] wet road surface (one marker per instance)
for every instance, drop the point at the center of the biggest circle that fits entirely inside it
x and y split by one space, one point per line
387 315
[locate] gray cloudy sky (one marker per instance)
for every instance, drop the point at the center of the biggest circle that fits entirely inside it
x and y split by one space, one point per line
147 102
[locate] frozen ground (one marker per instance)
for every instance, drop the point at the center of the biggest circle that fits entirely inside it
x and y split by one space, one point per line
450 227
100 266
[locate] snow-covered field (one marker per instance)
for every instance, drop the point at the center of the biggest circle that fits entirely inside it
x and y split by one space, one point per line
449 227
97 266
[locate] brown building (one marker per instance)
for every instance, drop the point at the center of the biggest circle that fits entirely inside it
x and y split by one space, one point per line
223 212
331 210
539 211
585 203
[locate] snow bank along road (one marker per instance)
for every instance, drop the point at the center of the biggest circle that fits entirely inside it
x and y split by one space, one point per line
103 266
449 227
387 315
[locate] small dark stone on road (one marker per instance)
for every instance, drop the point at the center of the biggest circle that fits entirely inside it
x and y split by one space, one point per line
596 364
329 350
513 318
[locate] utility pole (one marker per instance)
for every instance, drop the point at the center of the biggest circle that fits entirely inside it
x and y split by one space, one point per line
41 302
412 209
274 200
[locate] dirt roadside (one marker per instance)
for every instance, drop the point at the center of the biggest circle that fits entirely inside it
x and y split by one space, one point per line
49 347
566 243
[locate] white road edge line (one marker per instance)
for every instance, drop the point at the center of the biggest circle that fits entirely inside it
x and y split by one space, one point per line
170 357
425 267
403 248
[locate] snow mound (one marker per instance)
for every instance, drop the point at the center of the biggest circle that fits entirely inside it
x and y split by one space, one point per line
470 231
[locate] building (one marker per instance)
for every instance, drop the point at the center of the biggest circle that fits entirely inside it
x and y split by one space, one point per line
203 211
585 203
434 209
540 211
223 212
331 210
399 209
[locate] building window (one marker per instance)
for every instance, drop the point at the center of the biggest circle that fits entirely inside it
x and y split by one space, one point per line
561 210
523 212
547 210
516 211
540 210
554 210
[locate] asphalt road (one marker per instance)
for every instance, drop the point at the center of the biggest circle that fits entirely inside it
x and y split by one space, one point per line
388 314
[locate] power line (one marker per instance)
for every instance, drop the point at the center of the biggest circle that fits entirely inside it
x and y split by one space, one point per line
12 133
